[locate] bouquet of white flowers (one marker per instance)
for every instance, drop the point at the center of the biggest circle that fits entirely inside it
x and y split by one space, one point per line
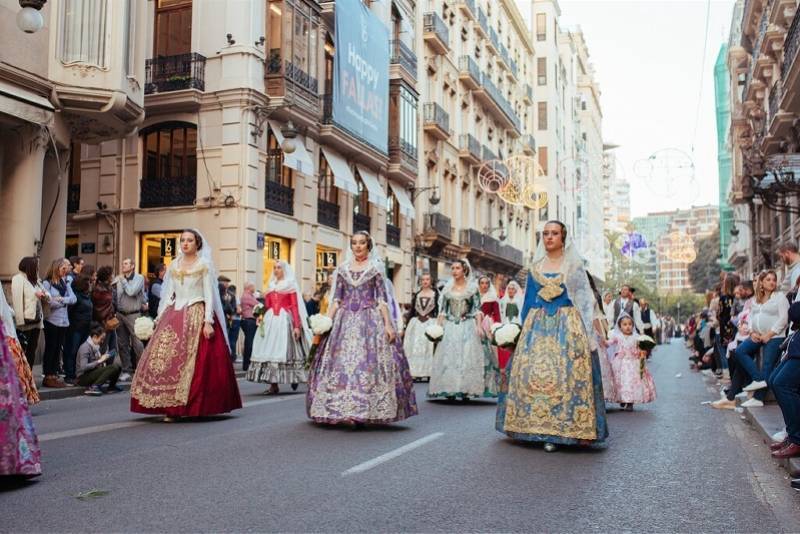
646 342
258 310
434 333
495 327
143 328
320 324
506 335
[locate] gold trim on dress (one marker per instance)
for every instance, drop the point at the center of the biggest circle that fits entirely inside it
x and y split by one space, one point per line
552 287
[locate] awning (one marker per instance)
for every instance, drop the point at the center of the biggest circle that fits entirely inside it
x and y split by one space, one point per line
374 189
342 177
406 206
298 160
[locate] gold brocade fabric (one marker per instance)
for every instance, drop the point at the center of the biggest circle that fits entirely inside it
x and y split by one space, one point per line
165 373
551 286
550 388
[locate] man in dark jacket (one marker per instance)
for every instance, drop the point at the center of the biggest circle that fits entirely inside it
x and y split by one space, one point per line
785 384
80 319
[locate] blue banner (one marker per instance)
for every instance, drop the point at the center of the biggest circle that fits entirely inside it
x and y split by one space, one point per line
361 74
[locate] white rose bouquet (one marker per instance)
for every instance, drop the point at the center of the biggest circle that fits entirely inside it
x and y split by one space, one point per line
320 324
506 335
258 310
434 333
143 328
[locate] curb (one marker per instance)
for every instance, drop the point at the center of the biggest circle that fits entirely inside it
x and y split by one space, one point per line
48 394
767 421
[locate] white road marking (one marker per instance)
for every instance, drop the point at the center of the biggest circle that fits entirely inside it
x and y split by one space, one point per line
50 436
391 455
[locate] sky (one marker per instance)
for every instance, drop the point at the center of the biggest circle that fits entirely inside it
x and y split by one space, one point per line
648 56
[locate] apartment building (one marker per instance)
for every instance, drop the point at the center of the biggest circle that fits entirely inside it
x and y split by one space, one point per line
78 79
677 248
477 110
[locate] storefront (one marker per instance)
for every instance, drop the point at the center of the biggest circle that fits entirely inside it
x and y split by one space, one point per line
71 247
327 260
275 248
156 248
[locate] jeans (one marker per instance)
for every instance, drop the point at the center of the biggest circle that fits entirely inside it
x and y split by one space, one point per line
720 350
54 337
233 336
785 384
100 375
745 357
75 337
249 328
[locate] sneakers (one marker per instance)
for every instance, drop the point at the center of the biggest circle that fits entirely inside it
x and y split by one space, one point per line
779 437
752 403
94 391
724 404
112 389
743 395
796 484
125 377
755 386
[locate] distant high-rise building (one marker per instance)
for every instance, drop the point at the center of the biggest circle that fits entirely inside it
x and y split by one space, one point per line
695 224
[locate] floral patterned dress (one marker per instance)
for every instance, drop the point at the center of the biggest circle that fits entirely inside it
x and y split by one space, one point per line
19 446
633 383
357 376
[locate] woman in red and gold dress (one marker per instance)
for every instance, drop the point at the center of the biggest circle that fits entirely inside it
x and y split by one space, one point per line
186 370
283 337
490 307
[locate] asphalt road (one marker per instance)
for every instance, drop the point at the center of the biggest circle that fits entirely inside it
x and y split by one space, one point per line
673 466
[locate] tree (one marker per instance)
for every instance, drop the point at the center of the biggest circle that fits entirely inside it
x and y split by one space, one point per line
704 270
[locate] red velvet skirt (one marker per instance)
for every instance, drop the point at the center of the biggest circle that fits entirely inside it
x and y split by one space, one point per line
181 373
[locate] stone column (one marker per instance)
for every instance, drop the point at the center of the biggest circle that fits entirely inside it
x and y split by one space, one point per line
54 200
21 199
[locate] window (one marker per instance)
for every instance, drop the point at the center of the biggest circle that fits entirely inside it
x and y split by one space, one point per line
327 188
276 170
84 32
408 120
173 27
292 36
542 113
541 27
392 210
170 151
361 200
541 68
543 159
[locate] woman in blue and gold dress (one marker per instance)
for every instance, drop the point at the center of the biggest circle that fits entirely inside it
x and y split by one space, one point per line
554 390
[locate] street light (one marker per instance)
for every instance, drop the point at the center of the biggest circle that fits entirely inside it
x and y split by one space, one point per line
29 19
434 199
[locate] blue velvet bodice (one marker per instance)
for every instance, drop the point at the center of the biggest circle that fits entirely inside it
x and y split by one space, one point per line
534 301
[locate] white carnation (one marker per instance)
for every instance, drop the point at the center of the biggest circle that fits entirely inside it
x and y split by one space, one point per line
143 328
507 334
320 324
434 332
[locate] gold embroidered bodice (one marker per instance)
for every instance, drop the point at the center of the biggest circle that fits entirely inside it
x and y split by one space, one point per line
189 286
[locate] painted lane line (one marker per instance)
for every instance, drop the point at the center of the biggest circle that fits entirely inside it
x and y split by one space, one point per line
128 424
391 455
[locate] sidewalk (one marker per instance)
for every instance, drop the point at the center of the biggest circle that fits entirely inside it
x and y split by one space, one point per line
767 421
76 391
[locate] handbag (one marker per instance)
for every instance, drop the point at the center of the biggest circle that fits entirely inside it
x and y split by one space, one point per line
111 324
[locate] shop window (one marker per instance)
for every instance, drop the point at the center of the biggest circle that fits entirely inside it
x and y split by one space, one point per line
157 248
275 249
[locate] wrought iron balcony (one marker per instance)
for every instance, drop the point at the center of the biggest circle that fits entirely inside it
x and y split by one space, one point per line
328 213
471 238
404 153
405 57
511 254
361 223
175 73
469 72
278 197
439 224
514 70
436 120
529 93
436 33
491 245
488 154
392 235
300 77
73 198
774 102
470 148
500 101
167 192
791 45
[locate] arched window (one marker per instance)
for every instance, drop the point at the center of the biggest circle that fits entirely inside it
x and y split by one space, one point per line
170 165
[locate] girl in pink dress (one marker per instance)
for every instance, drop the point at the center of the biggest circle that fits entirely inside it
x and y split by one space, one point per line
633 383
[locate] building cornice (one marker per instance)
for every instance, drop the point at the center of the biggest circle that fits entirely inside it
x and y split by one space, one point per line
27 80
519 24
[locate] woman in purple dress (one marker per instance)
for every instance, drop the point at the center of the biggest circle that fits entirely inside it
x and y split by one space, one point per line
360 373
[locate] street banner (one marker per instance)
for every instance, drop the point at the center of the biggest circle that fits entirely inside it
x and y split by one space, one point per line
361 74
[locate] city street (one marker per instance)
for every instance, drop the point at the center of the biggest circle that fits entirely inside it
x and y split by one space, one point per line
673 466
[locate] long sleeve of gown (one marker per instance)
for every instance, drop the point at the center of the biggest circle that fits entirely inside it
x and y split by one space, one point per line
294 311
208 296
530 298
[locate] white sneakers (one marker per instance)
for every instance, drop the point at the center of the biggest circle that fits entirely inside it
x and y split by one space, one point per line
752 403
779 437
755 386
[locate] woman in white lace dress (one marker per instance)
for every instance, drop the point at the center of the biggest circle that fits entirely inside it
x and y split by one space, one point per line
418 348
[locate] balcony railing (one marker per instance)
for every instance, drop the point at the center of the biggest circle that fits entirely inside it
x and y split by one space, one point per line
392 235
401 151
73 198
328 213
433 24
529 142
483 22
468 143
440 224
433 114
167 192
405 57
488 154
470 5
494 39
529 92
774 102
174 73
511 254
469 66
514 69
279 197
791 45
471 238
300 77
361 223
491 245
500 100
